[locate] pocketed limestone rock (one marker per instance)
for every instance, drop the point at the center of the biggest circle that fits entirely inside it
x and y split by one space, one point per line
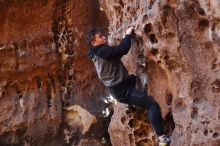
176 46
77 116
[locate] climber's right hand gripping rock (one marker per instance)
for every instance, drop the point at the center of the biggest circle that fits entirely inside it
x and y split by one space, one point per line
129 30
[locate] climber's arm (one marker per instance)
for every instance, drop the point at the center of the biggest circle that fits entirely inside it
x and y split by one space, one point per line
109 52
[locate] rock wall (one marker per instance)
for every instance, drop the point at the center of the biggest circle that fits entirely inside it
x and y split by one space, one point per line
29 91
176 49
44 70
50 93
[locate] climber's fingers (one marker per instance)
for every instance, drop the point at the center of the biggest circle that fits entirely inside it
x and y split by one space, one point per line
129 30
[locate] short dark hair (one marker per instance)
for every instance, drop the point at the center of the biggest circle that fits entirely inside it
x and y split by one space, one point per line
90 35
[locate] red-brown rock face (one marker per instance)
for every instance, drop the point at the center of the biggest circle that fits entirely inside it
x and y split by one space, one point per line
176 44
48 84
30 94
44 68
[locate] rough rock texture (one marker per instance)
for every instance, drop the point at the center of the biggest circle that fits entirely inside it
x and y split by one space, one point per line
132 126
176 43
43 68
75 115
30 93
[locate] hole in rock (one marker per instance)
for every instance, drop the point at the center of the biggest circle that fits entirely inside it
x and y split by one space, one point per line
195 86
197 99
130 109
169 99
123 119
213 66
144 142
132 123
49 104
159 61
52 80
194 112
205 122
131 137
145 18
203 23
20 94
201 11
142 132
69 50
128 9
167 8
205 132
169 123
61 77
140 114
121 3
138 133
70 77
39 82
70 86
215 135
148 28
20 132
151 4
1 45
20 89
128 112
153 38
216 86
3 93
154 51
49 92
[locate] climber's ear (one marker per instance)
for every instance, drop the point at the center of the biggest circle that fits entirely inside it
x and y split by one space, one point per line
90 37
93 42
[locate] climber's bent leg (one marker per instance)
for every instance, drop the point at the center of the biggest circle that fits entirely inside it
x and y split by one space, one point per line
139 98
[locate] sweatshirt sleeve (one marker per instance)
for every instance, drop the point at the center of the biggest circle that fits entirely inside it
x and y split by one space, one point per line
109 52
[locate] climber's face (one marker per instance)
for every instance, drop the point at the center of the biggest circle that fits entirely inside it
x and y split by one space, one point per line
99 39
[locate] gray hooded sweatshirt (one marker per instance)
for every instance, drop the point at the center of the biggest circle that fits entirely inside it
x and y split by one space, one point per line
108 64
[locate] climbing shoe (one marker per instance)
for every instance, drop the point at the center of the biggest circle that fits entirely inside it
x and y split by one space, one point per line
164 141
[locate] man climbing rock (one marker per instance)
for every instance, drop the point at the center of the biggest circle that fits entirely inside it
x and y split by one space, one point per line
121 85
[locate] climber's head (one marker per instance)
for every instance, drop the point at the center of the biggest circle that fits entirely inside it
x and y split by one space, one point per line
95 38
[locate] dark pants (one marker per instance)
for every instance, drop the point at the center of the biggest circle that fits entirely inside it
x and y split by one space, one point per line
127 93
